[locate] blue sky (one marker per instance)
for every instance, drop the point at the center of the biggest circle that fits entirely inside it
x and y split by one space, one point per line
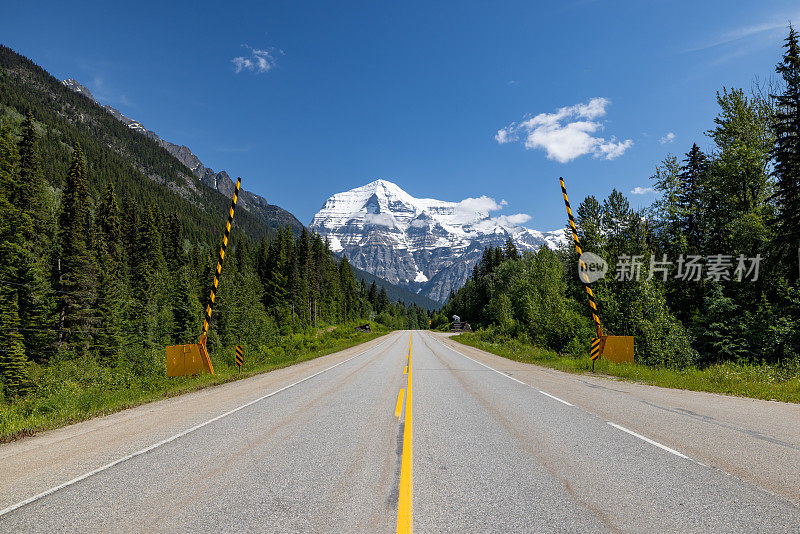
327 96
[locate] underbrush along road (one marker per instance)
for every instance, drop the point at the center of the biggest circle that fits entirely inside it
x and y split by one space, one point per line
498 446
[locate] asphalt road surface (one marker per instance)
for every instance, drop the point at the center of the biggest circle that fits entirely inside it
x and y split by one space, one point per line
498 446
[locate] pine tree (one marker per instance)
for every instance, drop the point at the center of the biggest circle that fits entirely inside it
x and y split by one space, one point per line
186 310
691 179
76 267
511 252
13 363
108 222
383 300
10 214
173 241
786 153
130 228
30 193
372 296
109 336
145 267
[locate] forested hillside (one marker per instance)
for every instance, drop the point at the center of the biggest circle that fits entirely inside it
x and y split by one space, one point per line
724 234
109 244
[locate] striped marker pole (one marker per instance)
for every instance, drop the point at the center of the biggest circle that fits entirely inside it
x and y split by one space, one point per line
596 347
217 273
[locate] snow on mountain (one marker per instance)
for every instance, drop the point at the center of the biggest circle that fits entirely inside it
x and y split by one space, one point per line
78 88
424 244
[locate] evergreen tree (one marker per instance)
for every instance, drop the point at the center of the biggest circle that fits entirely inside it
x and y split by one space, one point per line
30 193
77 281
786 153
147 263
383 300
186 310
109 335
130 228
510 251
108 222
173 241
691 181
372 296
13 363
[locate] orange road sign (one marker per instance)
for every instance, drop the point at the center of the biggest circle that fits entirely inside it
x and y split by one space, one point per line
239 356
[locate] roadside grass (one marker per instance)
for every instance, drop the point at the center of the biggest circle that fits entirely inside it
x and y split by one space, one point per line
73 390
768 382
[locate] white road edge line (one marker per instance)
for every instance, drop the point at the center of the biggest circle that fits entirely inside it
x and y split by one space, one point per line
648 440
479 363
631 432
171 438
554 397
505 375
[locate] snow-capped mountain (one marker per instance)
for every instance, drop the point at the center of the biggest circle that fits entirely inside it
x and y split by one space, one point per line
427 245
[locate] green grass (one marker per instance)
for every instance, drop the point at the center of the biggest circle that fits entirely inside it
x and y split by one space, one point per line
74 390
769 382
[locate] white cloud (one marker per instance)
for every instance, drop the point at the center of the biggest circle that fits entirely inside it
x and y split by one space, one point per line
483 205
638 190
475 211
743 32
257 61
669 138
380 219
513 220
564 141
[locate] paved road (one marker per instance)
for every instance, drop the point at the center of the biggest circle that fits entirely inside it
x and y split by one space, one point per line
498 446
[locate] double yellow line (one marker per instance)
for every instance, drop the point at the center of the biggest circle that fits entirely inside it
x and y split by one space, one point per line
405 506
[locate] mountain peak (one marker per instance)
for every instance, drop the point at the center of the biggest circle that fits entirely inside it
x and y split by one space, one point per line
78 88
425 244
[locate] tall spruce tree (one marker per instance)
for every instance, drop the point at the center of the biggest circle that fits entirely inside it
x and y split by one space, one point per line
109 334
77 271
108 222
786 154
691 181
185 309
13 363
30 193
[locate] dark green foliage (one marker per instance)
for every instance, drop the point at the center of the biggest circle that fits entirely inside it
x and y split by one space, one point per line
186 309
13 363
691 180
76 268
30 197
786 153
108 223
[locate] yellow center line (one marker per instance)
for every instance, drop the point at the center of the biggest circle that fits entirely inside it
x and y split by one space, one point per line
399 407
405 371
405 504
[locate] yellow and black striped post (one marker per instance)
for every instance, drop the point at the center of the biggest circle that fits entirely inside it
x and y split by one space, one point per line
239 357
596 348
217 273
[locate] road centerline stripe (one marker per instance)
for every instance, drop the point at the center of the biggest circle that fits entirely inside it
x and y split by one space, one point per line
172 438
405 501
399 406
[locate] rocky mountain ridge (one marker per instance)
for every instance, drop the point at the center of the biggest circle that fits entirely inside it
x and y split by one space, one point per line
219 181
